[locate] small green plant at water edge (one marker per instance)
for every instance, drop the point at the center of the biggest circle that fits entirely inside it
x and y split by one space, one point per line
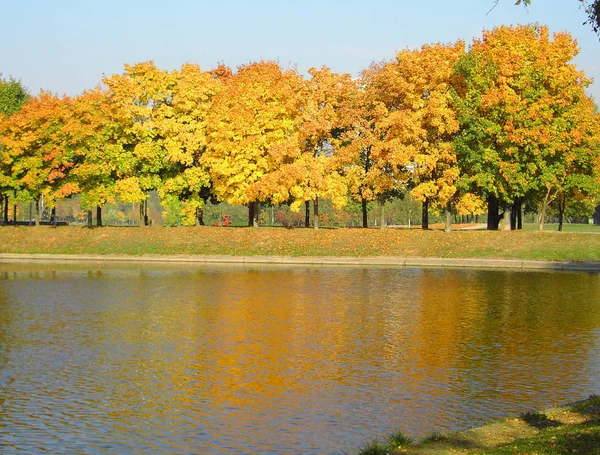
434 437
399 439
373 447
592 404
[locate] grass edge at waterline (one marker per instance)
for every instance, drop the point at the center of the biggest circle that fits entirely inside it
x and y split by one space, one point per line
573 428
342 243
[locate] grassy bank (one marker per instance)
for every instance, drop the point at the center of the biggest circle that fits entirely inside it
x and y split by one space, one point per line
301 242
552 246
573 429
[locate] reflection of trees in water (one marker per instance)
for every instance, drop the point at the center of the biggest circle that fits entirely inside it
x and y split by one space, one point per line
513 335
225 350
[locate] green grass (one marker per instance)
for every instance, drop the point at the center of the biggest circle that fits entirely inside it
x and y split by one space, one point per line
267 241
567 227
572 429
577 439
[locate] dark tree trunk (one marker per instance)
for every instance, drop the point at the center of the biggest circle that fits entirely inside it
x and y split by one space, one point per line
253 214
89 219
562 205
448 216
5 219
98 216
316 212
146 220
53 216
513 216
251 208
365 221
516 217
307 214
15 213
425 214
493 218
199 216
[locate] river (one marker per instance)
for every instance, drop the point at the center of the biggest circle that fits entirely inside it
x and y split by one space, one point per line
132 359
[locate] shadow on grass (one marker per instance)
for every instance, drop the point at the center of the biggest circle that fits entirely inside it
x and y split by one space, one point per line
539 420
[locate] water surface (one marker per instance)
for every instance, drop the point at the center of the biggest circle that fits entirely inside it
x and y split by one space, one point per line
102 359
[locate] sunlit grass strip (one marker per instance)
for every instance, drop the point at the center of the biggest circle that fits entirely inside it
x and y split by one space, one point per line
302 242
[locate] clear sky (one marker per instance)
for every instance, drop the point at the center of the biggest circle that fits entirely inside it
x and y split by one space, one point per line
66 46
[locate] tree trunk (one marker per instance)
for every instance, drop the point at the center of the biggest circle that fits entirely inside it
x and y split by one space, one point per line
543 212
382 222
141 214
562 205
253 214
425 214
365 221
199 216
448 216
38 214
5 209
516 214
307 214
251 208
146 220
89 219
98 216
493 219
53 216
513 216
316 212
30 213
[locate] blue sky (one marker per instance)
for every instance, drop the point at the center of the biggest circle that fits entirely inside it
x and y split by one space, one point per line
67 46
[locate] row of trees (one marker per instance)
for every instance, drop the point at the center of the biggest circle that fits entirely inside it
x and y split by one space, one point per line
506 122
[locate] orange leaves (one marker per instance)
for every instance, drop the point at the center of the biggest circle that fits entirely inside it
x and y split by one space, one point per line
35 150
251 129
415 89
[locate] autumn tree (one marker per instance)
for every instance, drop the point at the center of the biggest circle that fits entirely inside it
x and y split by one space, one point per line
252 131
12 97
576 184
313 174
95 152
180 123
136 99
31 138
373 165
416 89
518 89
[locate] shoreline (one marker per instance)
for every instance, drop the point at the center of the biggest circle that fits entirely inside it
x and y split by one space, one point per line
530 431
383 261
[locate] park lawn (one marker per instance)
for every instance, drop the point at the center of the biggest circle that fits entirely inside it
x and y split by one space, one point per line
273 241
567 227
